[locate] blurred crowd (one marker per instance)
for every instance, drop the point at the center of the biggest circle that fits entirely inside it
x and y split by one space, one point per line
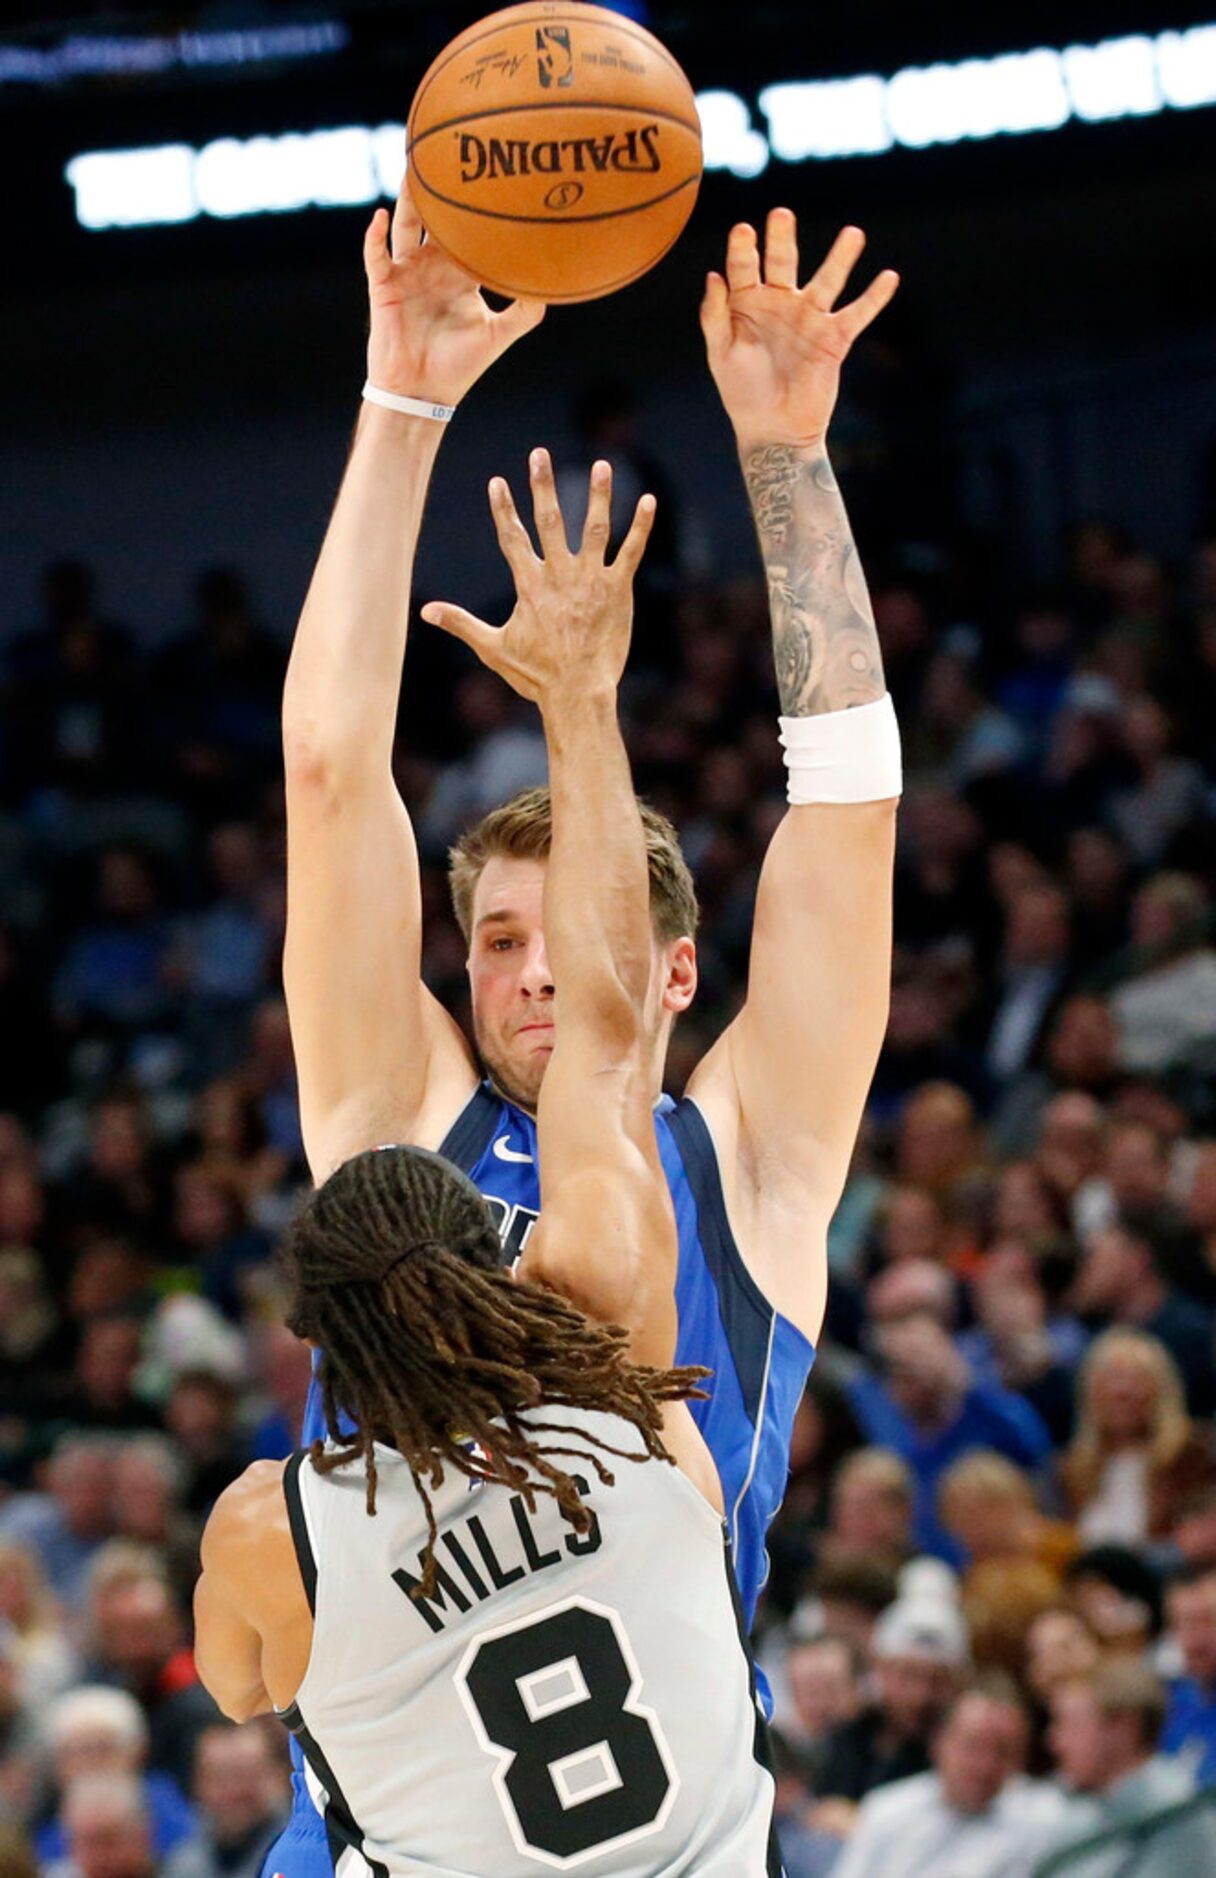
990 1625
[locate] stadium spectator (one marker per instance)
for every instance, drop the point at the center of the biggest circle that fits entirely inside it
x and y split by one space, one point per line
1033 973
149 1480
241 1794
871 1508
1105 1730
975 1812
1169 1004
102 1393
1015 1556
108 1831
1190 1724
113 980
1117 1593
919 1653
20 1744
1018 1344
1060 1647
928 1408
64 1524
1137 1457
139 1642
1120 1281
95 1732
33 1627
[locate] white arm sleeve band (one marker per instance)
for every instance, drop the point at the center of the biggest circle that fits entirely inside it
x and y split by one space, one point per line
844 756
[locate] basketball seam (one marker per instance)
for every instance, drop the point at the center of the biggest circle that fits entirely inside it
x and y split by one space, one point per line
551 104
612 286
626 28
558 220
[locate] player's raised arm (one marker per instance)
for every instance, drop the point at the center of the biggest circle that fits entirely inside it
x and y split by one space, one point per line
606 1236
374 1050
787 1084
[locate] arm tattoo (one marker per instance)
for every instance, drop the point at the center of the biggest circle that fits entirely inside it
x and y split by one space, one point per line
824 641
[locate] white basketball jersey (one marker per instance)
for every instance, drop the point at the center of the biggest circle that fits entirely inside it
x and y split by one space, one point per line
563 1702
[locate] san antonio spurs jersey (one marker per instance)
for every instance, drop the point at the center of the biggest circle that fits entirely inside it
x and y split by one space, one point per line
563 1701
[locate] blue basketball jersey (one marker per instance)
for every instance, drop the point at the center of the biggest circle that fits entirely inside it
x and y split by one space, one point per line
759 1360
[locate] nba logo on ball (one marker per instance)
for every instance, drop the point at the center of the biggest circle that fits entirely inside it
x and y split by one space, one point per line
554 150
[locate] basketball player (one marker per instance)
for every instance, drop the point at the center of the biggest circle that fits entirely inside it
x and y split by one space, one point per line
757 1153
530 1656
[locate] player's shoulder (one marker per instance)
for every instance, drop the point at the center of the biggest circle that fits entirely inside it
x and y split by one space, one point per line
247 1513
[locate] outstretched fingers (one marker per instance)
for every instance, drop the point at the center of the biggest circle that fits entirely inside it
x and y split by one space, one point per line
742 258
377 261
512 535
715 316
546 509
631 550
407 224
475 633
598 524
781 248
827 283
855 317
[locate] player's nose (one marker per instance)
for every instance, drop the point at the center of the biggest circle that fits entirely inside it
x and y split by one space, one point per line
537 978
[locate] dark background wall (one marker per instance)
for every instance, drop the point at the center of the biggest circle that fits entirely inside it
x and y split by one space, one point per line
172 397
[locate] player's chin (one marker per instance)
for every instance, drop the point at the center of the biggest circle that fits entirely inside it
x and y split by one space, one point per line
519 1070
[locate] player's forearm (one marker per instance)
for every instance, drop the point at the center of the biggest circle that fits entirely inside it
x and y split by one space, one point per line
597 923
340 698
825 645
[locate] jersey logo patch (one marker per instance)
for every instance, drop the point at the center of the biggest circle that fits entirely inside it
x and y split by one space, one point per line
505 1152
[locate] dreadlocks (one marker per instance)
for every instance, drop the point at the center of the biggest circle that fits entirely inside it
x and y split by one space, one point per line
431 1347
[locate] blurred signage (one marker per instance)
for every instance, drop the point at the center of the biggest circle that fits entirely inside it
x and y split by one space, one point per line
919 107
130 55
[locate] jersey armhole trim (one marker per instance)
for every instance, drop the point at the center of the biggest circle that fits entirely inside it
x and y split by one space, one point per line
298 1520
700 1157
470 1134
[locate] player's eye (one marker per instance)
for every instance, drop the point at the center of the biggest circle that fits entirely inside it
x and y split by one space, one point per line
501 944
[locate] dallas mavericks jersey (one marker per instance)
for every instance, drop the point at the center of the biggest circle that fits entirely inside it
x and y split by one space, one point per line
561 1700
759 1359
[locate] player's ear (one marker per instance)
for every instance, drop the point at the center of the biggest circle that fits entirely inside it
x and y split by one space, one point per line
680 974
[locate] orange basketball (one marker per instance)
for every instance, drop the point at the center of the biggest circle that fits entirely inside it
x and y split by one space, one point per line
554 150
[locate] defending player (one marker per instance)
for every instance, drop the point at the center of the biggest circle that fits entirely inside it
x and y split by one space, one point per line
527 1658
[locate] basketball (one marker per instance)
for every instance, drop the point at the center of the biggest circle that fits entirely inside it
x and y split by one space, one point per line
554 151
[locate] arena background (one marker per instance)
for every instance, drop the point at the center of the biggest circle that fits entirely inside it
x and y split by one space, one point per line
1026 436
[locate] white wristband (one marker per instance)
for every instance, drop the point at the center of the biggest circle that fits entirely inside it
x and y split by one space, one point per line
409 407
844 756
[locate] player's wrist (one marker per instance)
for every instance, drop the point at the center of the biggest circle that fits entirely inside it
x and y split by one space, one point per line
407 404
750 437
571 704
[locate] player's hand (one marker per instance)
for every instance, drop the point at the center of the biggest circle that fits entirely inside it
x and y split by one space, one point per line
432 332
568 636
775 349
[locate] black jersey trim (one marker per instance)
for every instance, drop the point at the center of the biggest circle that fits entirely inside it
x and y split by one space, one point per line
746 1312
341 1827
473 1130
299 1527
761 1751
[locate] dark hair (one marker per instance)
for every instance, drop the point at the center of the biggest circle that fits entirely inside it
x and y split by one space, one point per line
868 1582
1125 1572
430 1346
522 830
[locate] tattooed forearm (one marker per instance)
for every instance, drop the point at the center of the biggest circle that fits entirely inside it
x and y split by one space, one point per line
824 641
